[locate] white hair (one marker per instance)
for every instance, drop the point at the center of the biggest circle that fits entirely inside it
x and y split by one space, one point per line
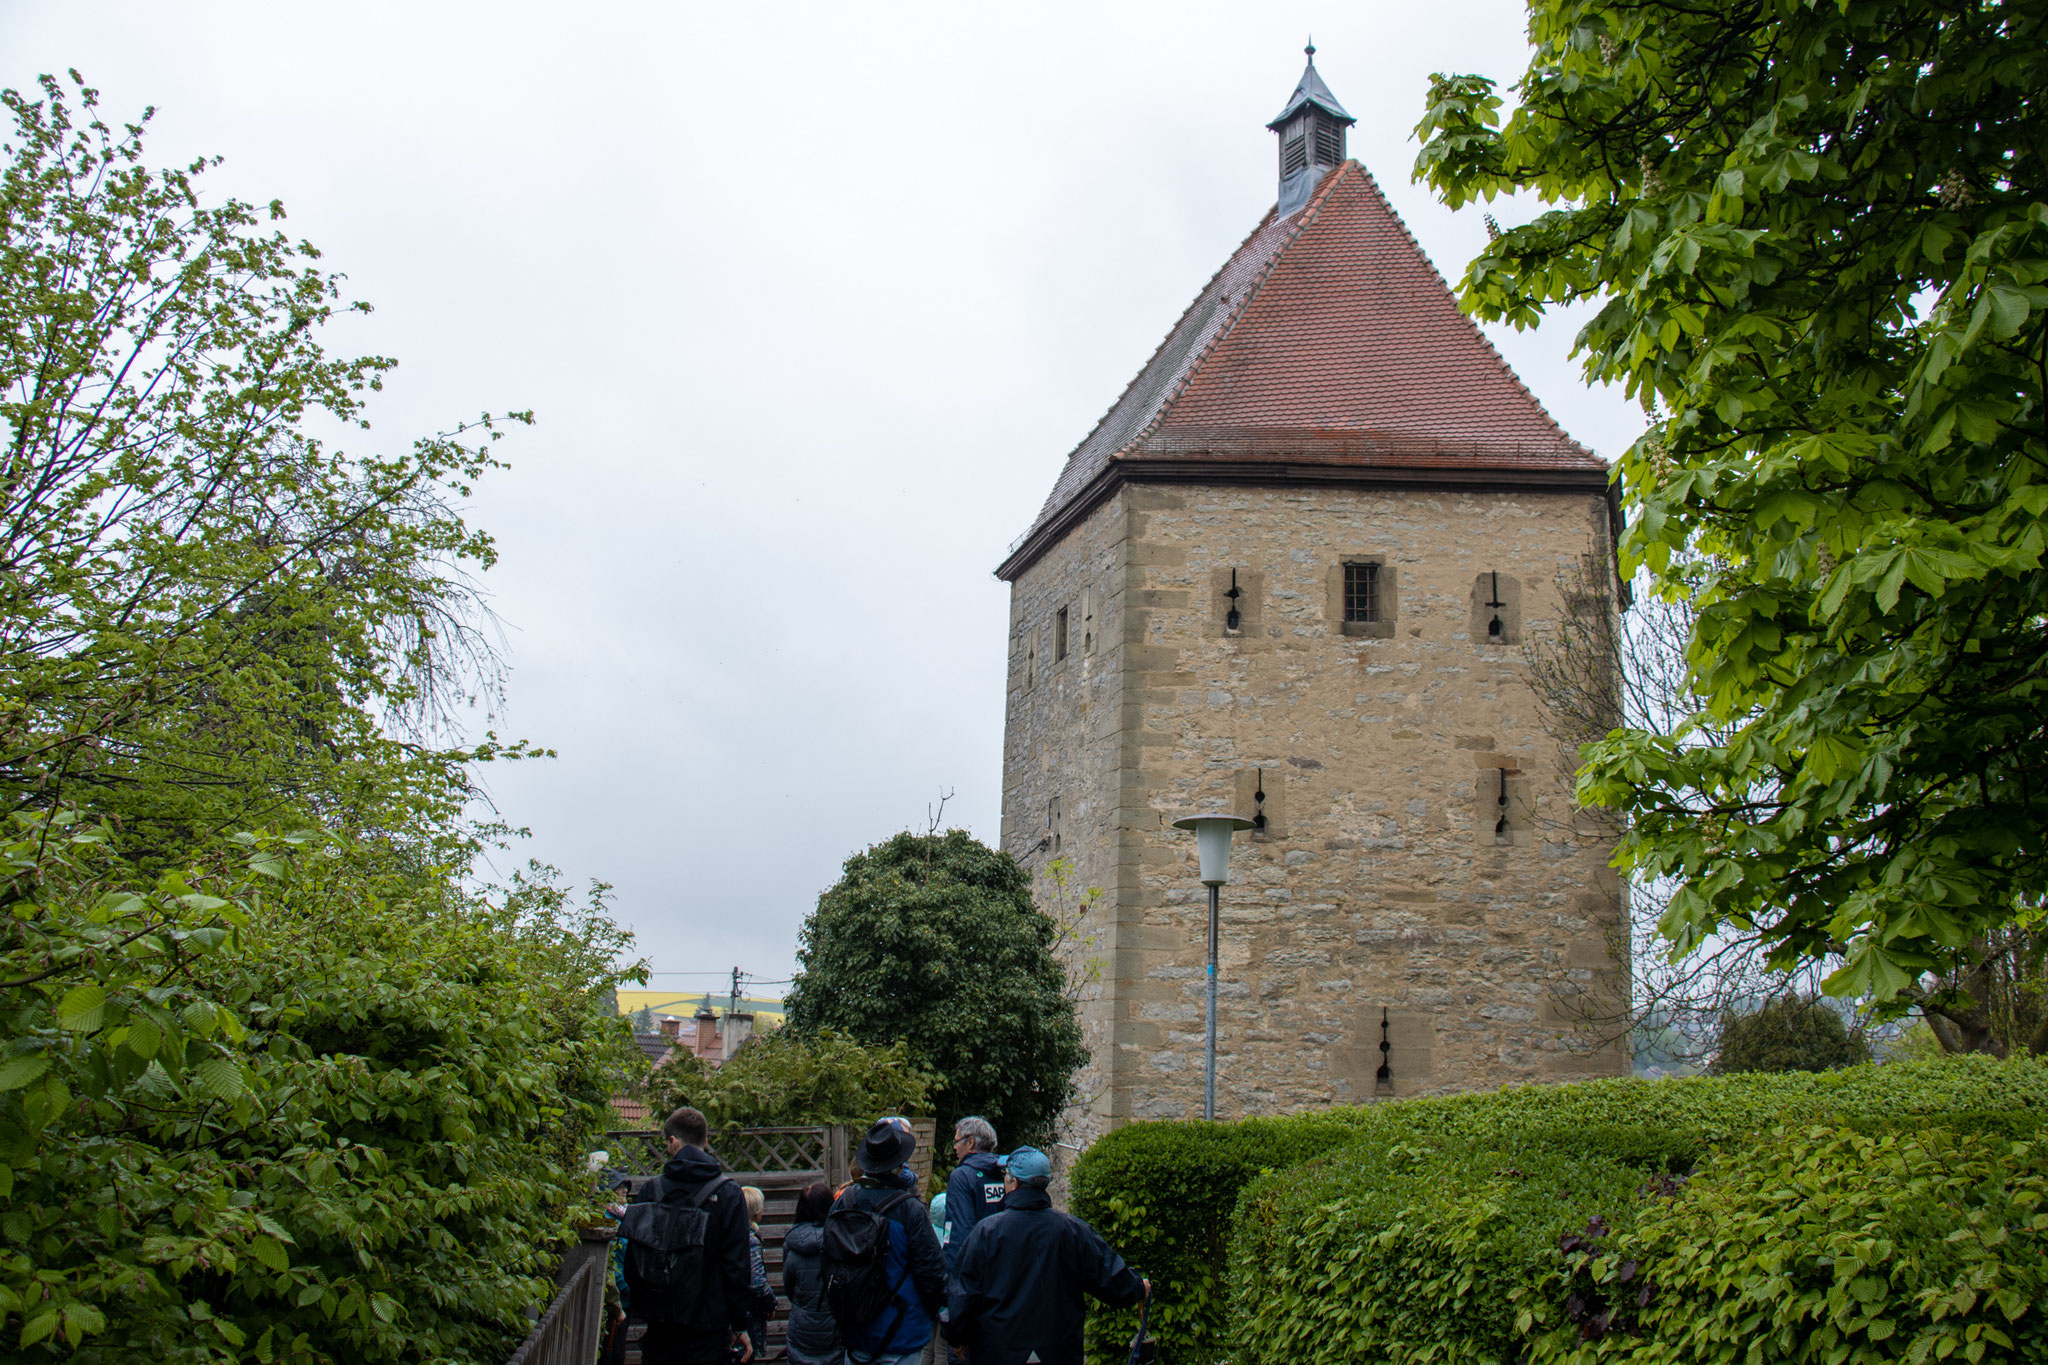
977 1130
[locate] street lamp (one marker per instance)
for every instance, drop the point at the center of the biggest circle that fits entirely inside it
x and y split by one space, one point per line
1212 844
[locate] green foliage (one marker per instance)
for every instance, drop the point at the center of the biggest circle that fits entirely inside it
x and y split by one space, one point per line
1913 1043
1826 1245
1790 1033
1167 1193
282 1106
1402 1251
933 941
311 1097
210 620
1162 1194
1818 238
785 1079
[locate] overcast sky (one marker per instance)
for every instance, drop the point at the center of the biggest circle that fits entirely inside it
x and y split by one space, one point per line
811 302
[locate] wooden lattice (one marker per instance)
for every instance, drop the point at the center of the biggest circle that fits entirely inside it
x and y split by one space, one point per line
763 1151
751 1150
635 1151
774 1149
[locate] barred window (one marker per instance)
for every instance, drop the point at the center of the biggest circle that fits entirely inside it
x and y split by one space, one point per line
1361 592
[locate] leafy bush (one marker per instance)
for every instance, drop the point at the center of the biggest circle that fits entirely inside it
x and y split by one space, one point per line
789 1079
1165 1193
1791 1033
1162 1194
283 1106
1408 1251
1828 1245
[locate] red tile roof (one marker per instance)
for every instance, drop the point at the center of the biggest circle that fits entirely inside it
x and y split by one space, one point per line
1326 349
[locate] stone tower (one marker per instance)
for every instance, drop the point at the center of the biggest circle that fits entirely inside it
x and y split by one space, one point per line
1290 574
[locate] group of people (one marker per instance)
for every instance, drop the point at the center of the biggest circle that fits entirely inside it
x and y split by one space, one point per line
872 1276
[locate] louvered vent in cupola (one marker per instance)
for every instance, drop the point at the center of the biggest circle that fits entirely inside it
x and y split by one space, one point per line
1329 142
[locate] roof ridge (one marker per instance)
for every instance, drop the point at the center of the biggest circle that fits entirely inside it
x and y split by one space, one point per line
1167 339
1484 339
1306 214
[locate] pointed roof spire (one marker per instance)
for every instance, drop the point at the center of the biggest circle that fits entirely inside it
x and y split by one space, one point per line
1311 90
1327 352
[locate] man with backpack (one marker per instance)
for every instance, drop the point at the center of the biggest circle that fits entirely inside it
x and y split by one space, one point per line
885 1276
1017 1282
688 1275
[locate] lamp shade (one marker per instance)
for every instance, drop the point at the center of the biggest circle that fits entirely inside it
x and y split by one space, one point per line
1212 843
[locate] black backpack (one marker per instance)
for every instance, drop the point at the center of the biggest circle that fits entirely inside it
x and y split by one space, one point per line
856 1257
665 1253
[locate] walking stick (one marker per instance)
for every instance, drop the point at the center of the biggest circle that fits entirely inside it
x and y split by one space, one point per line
1143 1352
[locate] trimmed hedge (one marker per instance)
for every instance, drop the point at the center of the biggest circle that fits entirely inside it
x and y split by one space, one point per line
1162 1194
1166 1193
1409 1251
1826 1245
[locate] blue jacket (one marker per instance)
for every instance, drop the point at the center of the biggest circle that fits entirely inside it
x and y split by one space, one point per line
917 1270
973 1192
1018 1281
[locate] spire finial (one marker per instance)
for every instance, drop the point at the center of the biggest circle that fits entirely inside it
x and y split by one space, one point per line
1311 49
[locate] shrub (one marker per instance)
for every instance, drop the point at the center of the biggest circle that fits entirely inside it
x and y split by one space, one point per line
1411 1251
787 1079
1162 1194
270 1108
1165 1193
1826 1244
1791 1033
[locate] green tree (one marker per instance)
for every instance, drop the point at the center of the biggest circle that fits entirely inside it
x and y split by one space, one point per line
1818 242
932 940
1790 1033
786 1079
210 618
310 1095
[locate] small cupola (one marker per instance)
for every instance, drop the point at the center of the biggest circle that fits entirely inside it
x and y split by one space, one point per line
1311 130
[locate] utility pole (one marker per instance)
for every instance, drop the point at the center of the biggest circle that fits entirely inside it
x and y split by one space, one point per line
737 977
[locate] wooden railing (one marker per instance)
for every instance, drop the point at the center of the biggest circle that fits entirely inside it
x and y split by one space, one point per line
569 1331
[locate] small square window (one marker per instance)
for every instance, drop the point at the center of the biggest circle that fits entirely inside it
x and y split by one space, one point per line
1059 635
1361 592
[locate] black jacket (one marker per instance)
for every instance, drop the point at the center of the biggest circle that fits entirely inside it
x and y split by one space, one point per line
973 1192
917 1270
1018 1281
813 1333
727 1293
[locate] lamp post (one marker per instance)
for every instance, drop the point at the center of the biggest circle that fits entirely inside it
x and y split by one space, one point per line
1212 845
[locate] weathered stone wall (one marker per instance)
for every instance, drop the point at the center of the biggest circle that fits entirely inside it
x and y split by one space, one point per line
1379 889
1060 779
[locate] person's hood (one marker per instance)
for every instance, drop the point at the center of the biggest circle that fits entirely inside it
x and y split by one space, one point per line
985 1162
1028 1198
691 1166
805 1239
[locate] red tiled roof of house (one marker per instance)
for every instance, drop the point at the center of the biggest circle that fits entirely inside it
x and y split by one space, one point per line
1327 343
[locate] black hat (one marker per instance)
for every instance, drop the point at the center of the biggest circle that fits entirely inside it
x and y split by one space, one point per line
887 1146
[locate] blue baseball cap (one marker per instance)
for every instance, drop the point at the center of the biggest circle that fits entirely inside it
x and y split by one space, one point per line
1028 1163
